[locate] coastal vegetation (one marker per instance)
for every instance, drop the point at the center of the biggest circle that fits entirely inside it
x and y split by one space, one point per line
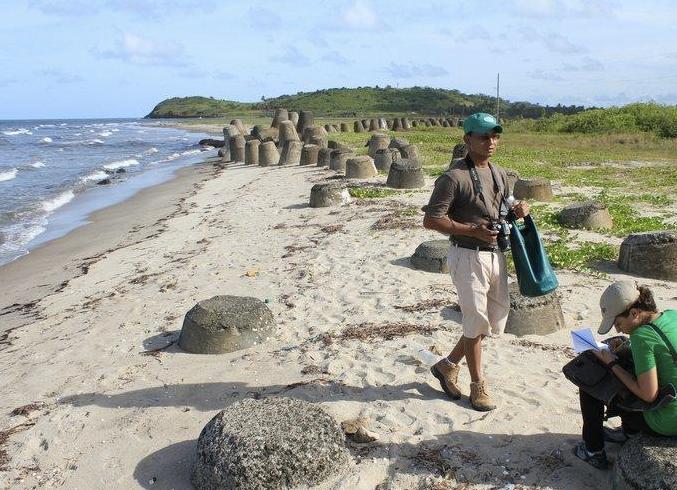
361 100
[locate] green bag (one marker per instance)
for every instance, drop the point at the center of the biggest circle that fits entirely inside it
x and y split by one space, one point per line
535 275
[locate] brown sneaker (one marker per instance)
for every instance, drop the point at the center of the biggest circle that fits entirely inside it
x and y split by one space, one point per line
479 398
447 373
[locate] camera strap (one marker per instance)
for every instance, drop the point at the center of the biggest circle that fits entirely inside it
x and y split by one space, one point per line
499 189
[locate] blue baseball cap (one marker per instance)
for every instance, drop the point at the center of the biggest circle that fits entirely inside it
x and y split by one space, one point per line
481 123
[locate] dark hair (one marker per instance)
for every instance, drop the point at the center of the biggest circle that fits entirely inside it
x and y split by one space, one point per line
645 302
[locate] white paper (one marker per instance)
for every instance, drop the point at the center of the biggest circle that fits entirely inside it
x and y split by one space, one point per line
584 339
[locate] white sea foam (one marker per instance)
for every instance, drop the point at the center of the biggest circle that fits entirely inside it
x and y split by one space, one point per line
9 175
54 204
100 175
150 151
18 235
191 152
104 133
121 164
46 125
38 164
17 132
94 142
46 139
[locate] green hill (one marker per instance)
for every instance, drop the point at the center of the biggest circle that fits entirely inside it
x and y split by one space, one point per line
361 101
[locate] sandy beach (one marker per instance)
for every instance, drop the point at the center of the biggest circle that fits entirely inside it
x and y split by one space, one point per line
89 324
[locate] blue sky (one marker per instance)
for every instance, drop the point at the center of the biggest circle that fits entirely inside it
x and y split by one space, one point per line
118 58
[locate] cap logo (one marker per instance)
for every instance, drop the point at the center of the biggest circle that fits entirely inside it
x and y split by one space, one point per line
489 119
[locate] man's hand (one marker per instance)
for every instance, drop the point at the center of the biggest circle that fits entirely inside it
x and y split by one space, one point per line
485 234
604 355
521 209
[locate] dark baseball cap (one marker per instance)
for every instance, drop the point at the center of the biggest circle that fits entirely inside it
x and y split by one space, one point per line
481 123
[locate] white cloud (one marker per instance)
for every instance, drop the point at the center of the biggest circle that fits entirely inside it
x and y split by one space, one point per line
139 51
360 15
411 70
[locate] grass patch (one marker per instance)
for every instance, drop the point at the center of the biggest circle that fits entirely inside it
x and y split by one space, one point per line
370 192
579 257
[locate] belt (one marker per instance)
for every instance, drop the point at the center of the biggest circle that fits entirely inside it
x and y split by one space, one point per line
479 248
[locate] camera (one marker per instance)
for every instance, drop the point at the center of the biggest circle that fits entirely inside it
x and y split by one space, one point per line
503 237
502 226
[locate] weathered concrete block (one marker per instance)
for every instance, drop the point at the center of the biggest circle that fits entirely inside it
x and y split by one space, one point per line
344 127
226 324
410 152
589 215
251 152
533 316
536 189
651 254
309 154
398 143
240 127
315 135
459 151
306 119
265 134
358 127
360 167
513 177
377 142
646 463
324 157
385 158
329 194
287 132
431 256
406 125
373 125
291 153
406 174
237 144
397 124
294 117
382 124
228 132
280 115
272 443
268 154
339 159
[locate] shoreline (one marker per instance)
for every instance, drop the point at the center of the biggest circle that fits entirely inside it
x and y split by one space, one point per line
51 265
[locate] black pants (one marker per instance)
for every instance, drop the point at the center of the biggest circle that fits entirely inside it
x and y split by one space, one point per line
593 419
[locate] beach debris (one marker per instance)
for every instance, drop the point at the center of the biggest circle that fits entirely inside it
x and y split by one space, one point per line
535 189
398 219
406 174
650 254
370 332
329 194
329 229
26 410
431 256
269 443
357 430
225 324
429 304
541 315
211 142
360 167
4 438
646 462
530 344
313 369
590 215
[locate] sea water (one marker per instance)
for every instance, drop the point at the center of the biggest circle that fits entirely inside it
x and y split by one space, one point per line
52 172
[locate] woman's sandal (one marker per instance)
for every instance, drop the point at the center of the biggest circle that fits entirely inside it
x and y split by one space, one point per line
596 460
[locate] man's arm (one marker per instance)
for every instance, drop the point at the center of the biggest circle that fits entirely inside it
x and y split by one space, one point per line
448 226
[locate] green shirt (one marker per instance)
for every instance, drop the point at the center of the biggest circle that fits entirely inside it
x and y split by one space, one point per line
649 351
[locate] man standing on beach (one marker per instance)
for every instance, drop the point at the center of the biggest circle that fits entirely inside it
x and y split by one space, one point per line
464 205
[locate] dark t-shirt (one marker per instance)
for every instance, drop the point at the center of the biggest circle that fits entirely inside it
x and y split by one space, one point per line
454 196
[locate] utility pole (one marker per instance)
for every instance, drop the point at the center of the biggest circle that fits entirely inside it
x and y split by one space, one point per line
498 84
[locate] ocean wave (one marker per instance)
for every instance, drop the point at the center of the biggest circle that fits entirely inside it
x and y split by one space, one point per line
96 176
54 204
191 152
121 164
46 139
94 142
150 151
38 164
104 133
17 132
17 235
9 175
